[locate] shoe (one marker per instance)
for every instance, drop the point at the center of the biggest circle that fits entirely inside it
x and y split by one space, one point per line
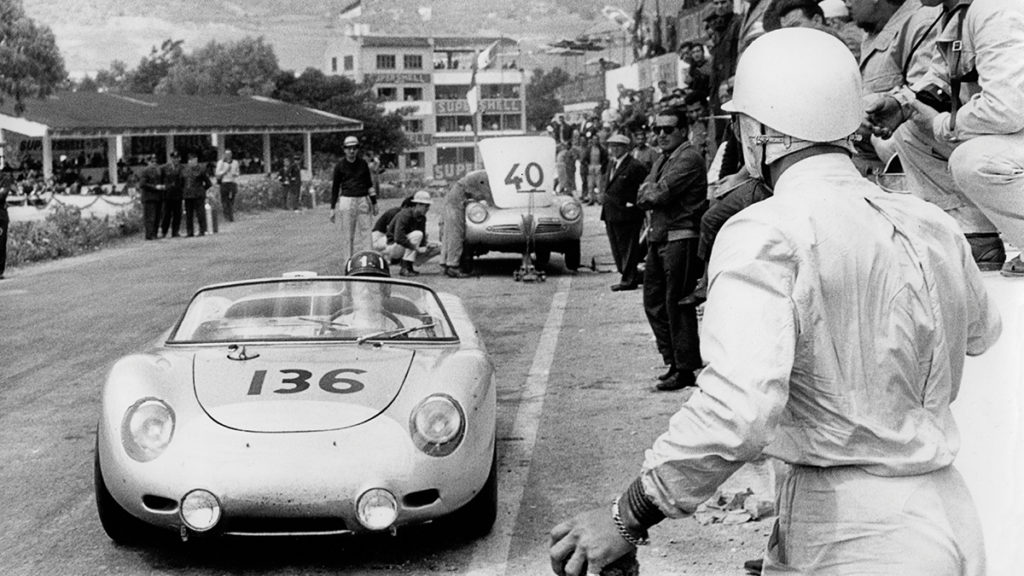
671 372
987 250
1014 268
680 380
620 287
698 296
453 272
754 567
407 269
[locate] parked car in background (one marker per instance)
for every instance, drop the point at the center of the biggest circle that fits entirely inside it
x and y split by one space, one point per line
525 214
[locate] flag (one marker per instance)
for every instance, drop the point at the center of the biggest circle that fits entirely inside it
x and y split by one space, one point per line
618 16
353 10
473 97
484 59
425 13
656 33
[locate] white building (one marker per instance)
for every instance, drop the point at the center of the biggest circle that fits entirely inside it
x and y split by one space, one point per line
432 75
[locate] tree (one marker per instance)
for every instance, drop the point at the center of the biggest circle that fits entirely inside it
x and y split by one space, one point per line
246 67
342 96
113 80
154 68
541 103
31 65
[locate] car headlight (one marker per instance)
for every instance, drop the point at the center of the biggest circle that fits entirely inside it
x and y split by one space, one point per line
377 509
476 213
437 425
200 510
571 211
147 429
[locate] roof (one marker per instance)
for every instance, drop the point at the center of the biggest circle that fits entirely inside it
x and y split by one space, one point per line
465 43
95 114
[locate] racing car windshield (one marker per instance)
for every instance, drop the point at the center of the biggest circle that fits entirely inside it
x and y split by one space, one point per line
313 309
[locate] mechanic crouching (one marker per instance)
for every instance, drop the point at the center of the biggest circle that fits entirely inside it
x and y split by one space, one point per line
407 235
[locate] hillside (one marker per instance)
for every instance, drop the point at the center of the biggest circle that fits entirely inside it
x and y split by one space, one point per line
92 33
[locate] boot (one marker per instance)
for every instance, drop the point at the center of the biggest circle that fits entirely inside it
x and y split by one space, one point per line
454 272
699 294
407 269
987 250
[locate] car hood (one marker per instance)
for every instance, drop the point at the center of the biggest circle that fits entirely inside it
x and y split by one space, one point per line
298 388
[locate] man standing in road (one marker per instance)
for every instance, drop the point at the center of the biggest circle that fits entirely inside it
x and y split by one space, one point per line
170 210
196 184
835 332
353 200
151 186
226 174
472 186
622 218
674 196
6 182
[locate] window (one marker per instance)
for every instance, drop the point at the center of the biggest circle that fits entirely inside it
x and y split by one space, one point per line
461 155
490 122
454 123
450 92
412 61
349 63
334 63
413 125
511 122
411 93
385 61
496 91
387 93
414 160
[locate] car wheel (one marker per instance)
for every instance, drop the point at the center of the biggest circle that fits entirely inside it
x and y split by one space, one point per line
120 526
476 518
542 256
572 256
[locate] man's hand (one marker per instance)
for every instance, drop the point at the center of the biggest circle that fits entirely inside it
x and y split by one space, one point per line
586 544
373 208
884 115
332 215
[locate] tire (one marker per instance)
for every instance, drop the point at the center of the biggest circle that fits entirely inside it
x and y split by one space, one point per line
120 526
572 256
476 518
542 256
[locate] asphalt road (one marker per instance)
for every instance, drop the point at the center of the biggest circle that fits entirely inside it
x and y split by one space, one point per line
575 363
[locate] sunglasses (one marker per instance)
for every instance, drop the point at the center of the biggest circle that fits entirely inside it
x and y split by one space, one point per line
664 129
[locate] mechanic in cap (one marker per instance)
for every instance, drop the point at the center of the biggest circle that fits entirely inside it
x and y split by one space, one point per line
835 333
353 199
407 235
472 186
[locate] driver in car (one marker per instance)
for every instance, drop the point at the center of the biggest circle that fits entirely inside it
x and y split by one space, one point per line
368 298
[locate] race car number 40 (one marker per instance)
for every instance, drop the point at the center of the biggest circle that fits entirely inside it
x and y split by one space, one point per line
299 381
532 173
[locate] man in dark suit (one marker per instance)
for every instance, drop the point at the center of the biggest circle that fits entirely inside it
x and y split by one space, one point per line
151 184
174 184
622 219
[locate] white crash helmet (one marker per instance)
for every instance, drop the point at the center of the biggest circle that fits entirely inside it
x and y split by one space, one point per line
802 83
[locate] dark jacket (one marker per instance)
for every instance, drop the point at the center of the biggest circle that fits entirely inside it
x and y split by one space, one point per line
174 180
151 184
384 220
352 179
196 181
677 195
622 189
404 223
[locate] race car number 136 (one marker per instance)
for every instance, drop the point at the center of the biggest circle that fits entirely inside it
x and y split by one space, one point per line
332 381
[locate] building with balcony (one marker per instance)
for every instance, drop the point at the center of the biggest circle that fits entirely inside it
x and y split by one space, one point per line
429 77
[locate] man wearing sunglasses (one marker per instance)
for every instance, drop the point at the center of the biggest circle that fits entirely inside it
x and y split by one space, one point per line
675 197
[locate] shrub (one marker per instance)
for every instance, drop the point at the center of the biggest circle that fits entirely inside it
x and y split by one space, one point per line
65 232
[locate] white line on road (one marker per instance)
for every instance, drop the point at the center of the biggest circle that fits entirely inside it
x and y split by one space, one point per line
491 555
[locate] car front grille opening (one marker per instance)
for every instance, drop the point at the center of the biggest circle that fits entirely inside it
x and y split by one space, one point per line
421 498
159 503
300 525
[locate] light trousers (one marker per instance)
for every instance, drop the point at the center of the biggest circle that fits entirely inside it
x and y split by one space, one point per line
990 171
355 219
844 521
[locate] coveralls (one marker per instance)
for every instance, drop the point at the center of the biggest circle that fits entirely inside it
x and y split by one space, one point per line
983 187
472 186
837 321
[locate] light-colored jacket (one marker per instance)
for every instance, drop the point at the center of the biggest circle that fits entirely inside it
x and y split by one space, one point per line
226 171
992 45
884 56
835 331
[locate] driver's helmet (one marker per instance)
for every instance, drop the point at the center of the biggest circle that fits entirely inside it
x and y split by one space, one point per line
367 263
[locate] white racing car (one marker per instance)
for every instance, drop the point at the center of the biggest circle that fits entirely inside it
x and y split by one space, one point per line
270 409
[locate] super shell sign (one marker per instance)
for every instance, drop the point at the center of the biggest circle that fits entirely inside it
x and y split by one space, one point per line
520 169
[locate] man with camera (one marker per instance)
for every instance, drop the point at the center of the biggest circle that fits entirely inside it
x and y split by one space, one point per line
964 144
